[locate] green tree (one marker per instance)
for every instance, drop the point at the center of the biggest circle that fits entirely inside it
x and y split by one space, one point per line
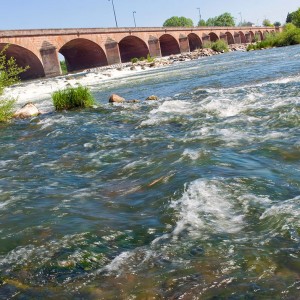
9 74
267 23
296 18
277 24
246 24
225 19
178 22
289 18
202 23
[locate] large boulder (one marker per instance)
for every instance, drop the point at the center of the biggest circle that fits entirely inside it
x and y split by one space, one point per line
114 98
27 111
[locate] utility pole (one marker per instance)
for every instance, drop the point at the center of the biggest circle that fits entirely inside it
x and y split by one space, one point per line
133 13
112 1
199 15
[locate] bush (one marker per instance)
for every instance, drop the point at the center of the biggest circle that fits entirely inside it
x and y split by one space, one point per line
207 44
220 46
79 97
6 109
134 60
142 58
149 58
63 67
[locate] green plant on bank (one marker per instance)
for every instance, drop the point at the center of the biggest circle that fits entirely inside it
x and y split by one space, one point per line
79 97
149 58
142 58
134 60
289 36
9 75
207 44
63 67
220 46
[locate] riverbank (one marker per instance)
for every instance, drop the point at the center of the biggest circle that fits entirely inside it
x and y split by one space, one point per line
37 90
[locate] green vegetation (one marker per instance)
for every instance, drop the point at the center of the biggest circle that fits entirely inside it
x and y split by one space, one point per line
9 75
202 23
220 46
63 67
178 22
289 36
134 60
267 23
277 24
149 58
225 19
79 97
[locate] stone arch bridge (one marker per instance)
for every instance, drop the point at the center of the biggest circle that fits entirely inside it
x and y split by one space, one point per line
90 48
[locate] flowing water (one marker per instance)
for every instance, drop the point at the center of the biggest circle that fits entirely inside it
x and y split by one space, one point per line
194 196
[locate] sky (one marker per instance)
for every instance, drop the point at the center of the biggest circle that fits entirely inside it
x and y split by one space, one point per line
43 14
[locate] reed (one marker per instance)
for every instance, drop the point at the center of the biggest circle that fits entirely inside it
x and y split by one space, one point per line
70 98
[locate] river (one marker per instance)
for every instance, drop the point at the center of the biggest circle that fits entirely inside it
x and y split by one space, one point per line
194 196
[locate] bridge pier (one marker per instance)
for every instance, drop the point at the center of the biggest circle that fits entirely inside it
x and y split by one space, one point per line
184 43
154 47
50 60
112 52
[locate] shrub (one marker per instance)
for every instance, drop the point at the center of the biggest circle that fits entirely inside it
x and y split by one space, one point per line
79 97
6 109
149 58
63 67
207 44
134 60
220 46
142 58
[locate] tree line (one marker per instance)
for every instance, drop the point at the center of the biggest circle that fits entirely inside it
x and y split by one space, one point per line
225 19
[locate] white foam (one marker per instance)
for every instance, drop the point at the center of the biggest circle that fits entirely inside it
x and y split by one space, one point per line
206 206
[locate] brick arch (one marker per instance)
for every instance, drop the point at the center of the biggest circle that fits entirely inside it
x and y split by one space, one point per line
242 37
83 54
230 38
168 45
265 34
259 35
194 41
25 57
213 37
132 46
251 37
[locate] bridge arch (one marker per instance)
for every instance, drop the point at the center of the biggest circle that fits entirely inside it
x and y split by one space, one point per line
259 35
132 46
25 57
83 54
243 37
230 38
265 34
168 45
213 37
194 41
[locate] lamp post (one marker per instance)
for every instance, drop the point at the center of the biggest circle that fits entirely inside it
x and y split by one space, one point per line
241 18
133 13
112 2
199 15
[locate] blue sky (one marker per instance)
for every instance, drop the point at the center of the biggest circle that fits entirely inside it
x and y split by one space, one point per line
33 14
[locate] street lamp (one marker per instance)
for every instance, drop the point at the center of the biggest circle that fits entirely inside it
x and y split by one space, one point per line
241 18
134 12
199 15
112 2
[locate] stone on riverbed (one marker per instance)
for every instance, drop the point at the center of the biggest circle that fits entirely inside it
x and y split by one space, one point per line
27 111
153 97
114 98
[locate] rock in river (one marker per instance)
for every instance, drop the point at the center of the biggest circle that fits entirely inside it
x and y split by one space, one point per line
27 111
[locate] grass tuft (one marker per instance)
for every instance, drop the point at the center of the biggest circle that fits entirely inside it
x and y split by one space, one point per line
79 97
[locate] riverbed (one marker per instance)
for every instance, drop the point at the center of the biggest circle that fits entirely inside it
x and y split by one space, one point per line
193 196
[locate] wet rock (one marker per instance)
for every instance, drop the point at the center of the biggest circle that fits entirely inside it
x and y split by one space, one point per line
27 111
114 98
133 68
133 101
152 97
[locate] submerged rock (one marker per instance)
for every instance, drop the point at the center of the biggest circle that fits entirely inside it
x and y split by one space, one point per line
153 97
114 98
27 111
